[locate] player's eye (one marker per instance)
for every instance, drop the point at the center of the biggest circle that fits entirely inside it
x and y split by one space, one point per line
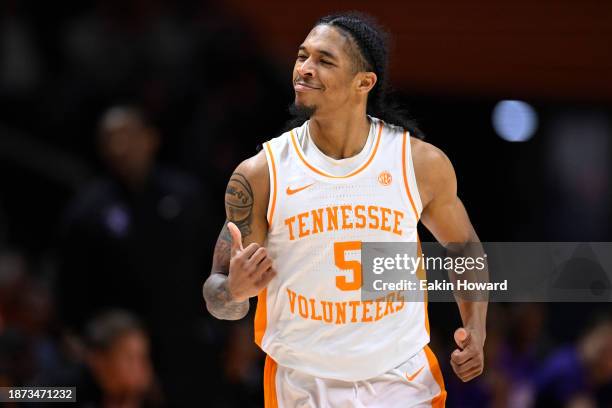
325 62
301 57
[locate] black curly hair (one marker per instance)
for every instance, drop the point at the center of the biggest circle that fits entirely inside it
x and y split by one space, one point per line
370 53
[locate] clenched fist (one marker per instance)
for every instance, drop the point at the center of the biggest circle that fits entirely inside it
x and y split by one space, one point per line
468 359
250 268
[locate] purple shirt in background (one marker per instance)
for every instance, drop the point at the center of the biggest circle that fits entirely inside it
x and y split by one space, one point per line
561 377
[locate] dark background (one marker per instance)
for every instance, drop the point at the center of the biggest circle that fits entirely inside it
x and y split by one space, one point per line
214 77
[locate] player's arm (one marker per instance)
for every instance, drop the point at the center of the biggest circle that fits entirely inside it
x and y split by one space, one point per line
447 219
241 266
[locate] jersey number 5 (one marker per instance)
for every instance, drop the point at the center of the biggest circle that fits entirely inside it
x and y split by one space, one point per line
340 249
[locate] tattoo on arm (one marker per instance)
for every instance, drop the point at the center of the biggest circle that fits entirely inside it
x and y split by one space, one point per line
223 251
216 294
218 301
239 208
239 203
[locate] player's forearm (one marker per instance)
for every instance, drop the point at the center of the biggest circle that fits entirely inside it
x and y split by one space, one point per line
472 304
474 316
218 299
216 294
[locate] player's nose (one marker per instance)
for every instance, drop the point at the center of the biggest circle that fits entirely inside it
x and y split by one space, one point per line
306 68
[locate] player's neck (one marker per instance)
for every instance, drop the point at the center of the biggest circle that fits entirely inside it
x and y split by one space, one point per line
340 136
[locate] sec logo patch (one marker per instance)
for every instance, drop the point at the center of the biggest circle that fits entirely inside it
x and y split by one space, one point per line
385 178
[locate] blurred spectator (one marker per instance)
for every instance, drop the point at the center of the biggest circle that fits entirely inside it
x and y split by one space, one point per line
522 349
578 190
137 239
27 317
242 367
578 375
117 370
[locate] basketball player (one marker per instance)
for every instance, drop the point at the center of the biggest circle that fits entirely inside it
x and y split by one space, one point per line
296 215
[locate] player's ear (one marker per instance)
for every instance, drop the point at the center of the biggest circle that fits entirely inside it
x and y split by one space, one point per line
366 81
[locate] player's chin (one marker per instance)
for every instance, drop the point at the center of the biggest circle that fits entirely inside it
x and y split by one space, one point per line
304 99
304 104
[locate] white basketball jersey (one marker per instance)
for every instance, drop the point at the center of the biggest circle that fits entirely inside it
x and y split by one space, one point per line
311 317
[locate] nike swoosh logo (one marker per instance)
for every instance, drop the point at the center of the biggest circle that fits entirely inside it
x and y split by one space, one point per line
413 376
291 191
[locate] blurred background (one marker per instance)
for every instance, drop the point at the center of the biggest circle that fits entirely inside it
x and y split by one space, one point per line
121 122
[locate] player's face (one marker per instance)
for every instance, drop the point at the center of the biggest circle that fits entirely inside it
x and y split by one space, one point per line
323 75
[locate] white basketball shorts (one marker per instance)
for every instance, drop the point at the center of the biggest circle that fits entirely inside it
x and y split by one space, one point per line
415 383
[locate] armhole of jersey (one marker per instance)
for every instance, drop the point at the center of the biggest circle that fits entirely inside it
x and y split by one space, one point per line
273 186
409 176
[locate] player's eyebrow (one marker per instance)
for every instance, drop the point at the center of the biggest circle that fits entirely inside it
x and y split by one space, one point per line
328 54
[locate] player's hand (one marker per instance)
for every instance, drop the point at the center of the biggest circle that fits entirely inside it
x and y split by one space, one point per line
468 359
250 268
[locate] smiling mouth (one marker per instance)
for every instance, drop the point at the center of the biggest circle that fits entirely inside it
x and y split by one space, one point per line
301 86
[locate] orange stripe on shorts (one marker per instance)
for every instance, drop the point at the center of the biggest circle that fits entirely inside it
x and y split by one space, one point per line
270 400
439 401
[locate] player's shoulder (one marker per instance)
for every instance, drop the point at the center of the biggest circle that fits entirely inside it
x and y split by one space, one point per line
427 157
432 168
249 185
255 168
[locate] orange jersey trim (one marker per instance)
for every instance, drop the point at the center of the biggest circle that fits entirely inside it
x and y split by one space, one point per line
311 167
261 316
439 401
416 214
273 186
270 400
